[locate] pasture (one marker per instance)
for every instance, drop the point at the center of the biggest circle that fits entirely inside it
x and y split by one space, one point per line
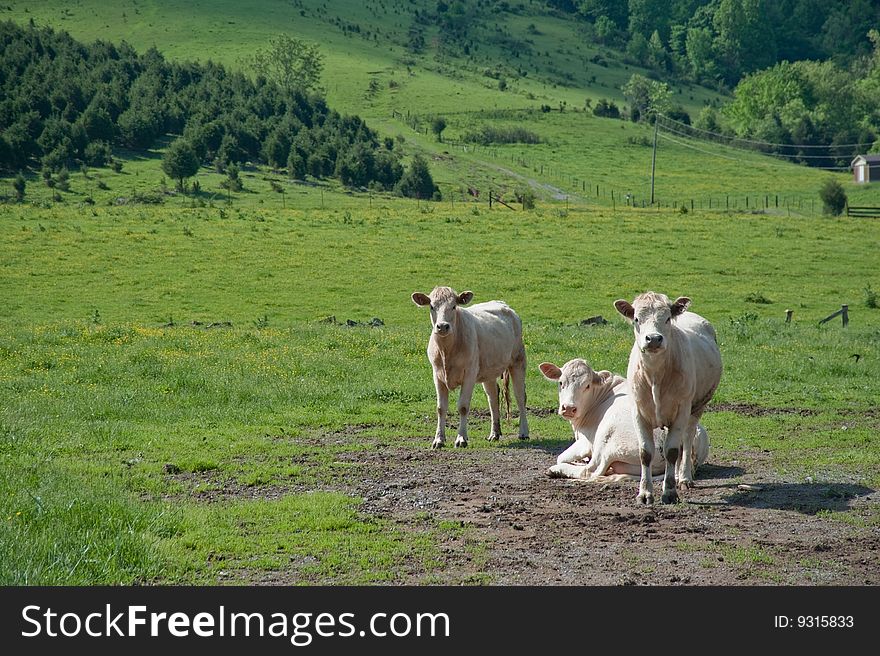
180 407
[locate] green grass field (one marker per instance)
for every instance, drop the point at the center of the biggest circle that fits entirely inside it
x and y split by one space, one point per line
102 398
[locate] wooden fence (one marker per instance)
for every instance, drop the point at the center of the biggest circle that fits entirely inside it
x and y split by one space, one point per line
863 212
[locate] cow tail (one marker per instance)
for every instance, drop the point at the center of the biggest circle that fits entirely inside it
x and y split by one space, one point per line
506 378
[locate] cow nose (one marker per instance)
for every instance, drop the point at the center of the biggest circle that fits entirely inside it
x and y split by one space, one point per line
443 328
654 339
568 410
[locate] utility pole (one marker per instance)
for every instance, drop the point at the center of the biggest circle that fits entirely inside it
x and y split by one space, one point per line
654 157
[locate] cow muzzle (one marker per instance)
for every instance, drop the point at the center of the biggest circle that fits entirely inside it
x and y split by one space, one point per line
653 343
442 328
568 411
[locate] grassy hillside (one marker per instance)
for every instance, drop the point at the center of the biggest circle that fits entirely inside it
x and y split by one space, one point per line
554 68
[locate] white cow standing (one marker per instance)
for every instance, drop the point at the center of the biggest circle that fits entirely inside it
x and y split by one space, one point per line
674 369
473 345
598 404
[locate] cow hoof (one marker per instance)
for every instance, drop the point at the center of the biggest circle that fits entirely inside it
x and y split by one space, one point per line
553 472
670 496
494 437
460 442
523 437
437 443
645 498
685 484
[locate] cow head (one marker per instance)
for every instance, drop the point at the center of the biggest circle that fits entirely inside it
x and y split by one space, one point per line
579 386
651 315
444 303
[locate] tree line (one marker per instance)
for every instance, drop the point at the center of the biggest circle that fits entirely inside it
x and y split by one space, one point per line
65 103
717 42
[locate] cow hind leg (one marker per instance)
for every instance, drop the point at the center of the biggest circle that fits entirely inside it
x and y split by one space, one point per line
491 388
677 435
686 465
518 377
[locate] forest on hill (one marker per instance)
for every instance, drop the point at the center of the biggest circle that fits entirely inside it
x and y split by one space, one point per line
65 103
720 41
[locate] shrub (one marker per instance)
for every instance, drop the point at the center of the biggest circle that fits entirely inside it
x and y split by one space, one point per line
833 197
606 109
19 184
527 197
489 134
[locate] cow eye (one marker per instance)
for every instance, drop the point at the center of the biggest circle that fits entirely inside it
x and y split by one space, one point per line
635 319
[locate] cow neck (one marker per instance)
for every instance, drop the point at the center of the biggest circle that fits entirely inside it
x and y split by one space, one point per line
587 419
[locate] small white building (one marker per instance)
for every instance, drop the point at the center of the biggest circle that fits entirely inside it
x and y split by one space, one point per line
866 168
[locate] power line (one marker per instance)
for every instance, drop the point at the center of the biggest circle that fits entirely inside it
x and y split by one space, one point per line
739 159
769 154
763 143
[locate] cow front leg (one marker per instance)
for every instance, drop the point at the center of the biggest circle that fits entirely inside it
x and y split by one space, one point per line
442 409
674 441
567 470
518 378
491 388
464 407
645 433
580 450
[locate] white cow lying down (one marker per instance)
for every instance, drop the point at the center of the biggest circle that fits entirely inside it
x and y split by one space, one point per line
600 408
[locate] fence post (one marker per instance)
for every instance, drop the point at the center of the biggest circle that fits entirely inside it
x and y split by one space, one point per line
843 311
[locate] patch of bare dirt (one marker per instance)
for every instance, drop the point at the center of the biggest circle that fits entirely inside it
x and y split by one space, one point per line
752 410
740 525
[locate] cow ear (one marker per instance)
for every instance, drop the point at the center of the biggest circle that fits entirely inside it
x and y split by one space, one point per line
604 377
465 297
625 308
421 299
680 305
550 371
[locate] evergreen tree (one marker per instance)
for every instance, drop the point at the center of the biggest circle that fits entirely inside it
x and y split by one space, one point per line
417 181
180 162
